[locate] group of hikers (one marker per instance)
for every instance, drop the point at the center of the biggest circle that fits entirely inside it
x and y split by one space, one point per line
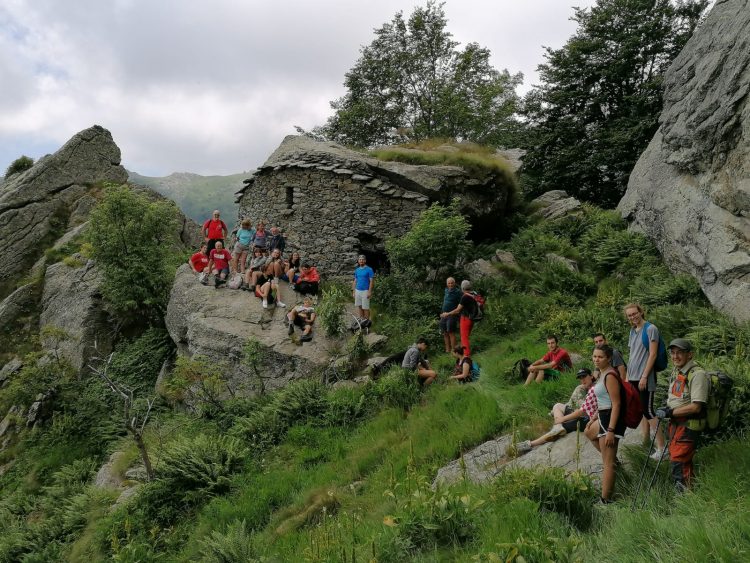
256 264
598 405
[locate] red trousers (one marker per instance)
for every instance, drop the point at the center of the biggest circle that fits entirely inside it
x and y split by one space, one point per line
682 448
465 325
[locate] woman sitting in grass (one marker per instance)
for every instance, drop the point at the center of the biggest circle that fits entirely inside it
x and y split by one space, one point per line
462 370
611 427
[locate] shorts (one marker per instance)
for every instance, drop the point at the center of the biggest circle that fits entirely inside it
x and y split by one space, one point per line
286 278
239 248
258 294
361 299
224 271
647 401
604 423
551 374
579 424
448 324
301 321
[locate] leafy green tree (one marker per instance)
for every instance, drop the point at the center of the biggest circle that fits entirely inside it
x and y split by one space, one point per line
412 82
600 96
20 164
136 245
436 239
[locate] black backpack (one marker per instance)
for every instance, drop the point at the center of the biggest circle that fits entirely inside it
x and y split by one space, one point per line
520 369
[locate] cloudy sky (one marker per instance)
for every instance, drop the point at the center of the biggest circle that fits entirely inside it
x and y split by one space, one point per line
213 87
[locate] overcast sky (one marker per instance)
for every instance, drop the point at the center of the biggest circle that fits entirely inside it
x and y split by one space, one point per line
213 87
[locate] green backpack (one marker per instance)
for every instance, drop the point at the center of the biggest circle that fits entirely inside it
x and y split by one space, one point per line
719 398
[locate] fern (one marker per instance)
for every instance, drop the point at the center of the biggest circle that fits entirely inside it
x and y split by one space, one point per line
233 546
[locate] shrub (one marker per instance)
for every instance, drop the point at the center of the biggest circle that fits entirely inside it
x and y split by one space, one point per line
396 388
232 546
553 277
331 310
398 294
137 361
21 164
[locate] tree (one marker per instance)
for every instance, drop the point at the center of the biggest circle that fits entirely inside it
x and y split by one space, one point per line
21 164
600 96
412 82
136 245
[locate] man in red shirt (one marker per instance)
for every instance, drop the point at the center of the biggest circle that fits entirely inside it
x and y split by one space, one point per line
218 263
214 230
199 263
555 361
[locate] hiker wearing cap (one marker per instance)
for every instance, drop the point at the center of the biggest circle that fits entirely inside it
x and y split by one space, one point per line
689 387
569 417
466 311
641 373
214 230
449 324
549 366
364 280
617 360
611 404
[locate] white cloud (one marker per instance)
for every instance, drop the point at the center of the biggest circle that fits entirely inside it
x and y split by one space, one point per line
213 87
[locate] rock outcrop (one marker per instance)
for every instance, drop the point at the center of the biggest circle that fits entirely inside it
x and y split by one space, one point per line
554 205
334 203
690 189
36 205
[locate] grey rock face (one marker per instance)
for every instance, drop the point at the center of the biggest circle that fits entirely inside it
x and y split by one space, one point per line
9 370
72 301
481 268
571 265
17 303
690 190
555 204
334 203
37 203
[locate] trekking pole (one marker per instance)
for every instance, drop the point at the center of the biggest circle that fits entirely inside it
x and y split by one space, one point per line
658 463
645 464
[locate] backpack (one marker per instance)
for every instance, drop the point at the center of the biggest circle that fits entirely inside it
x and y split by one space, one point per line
235 282
475 372
520 369
719 397
660 364
631 401
479 311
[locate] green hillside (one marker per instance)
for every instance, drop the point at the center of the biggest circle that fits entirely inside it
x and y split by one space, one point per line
197 195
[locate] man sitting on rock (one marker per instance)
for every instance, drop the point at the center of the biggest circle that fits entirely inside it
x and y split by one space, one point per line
555 361
309 280
199 264
416 360
569 417
304 317
218 263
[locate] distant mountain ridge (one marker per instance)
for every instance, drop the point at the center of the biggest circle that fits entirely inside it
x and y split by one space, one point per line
197 195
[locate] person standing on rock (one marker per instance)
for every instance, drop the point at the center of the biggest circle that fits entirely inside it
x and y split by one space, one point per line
364 281
261 236
686 405
449 324
617 360
466 310
245 236
214 230
610 399
641 373
199 264
276 240
218 263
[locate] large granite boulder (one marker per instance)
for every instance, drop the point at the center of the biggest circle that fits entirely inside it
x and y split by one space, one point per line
217 323
690 189
72 301
36 205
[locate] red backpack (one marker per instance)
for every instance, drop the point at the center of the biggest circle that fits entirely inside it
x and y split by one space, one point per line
631 401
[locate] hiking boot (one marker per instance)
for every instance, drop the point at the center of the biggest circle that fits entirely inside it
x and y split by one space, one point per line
291 329
280 304
524 447
557 429
306 338
265 303
204 282
292 287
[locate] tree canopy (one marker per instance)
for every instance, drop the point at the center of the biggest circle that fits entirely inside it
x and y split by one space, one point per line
600 96
412 82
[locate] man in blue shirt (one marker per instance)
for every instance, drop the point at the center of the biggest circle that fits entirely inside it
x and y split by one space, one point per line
449 324
364 279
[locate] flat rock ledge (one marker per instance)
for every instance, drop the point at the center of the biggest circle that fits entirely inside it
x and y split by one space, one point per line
485 462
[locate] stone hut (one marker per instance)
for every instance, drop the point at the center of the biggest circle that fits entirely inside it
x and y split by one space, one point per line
334 203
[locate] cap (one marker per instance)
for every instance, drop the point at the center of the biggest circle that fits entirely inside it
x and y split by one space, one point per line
583 372
682 344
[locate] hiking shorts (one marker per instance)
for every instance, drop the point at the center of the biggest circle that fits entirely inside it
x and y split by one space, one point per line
574 425
361 299
551 374
239 248
448 324
647 401
604 423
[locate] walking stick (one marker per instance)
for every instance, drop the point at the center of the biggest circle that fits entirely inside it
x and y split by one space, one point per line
645 464
658 463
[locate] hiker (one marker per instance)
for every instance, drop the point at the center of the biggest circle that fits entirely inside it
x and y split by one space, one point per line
617 360
214 230
302 316
272 268
261 236
611 404
276 240
464 364
218 263
257 263
292 267
364 280
245 236
199 264
689 388
568 417
466 310
641 373
275 266
551 365
308 282
449 323
415 360
265 288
